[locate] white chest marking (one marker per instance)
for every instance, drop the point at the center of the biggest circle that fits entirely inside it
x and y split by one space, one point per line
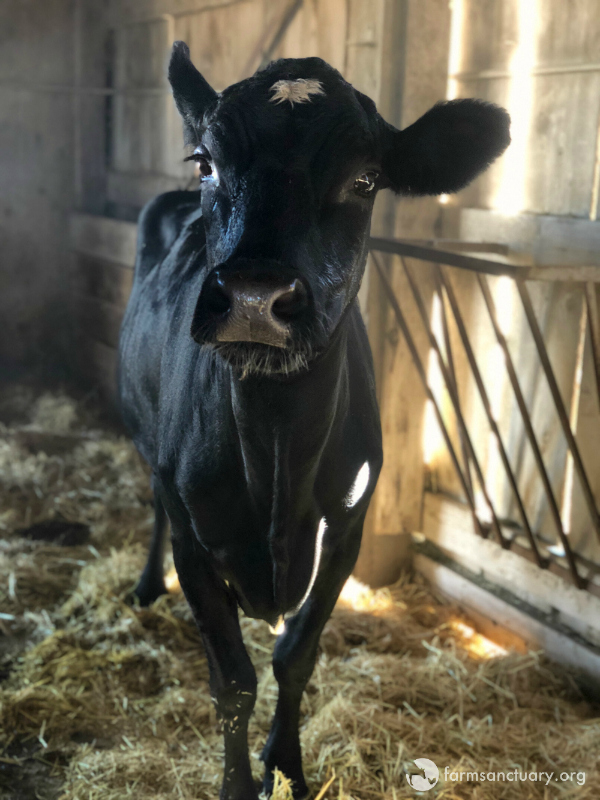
316 563
298 91
359 487
279 628
357 490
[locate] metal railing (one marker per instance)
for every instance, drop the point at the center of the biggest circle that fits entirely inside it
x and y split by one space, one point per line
495 260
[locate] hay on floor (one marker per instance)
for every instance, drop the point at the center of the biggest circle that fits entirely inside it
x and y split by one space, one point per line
111 701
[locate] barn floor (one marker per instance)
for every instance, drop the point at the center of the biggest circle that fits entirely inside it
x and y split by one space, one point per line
103 701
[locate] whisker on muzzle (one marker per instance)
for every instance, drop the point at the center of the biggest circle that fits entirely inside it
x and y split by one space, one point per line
263 360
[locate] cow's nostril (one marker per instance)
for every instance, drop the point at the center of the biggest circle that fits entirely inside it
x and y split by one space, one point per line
218 300
290 302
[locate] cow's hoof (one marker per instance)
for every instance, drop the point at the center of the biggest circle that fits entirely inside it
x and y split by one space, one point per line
146 594
252 792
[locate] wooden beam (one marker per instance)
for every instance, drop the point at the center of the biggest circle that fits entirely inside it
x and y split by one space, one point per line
491 264
449 526
382 557
106 281
136 189
565 272
97 364
397 54
462 247
128 12
98 319
591 297
486 258
105 238
551 240
494 616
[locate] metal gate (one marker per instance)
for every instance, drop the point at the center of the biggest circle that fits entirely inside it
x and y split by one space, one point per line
553 549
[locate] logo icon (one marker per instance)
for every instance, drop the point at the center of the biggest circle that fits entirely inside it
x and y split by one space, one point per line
431 772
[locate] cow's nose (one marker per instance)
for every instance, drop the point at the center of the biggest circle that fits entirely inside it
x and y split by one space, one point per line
255 309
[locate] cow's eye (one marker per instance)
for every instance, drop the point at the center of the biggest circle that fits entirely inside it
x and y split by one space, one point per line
202 158
365 184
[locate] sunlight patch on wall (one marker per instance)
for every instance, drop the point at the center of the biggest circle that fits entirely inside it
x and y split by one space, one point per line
504 300
433 441
510 197
567 495
456 47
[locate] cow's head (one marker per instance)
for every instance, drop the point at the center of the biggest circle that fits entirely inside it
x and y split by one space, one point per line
290 163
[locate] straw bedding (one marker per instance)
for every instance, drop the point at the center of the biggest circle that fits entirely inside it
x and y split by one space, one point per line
100 700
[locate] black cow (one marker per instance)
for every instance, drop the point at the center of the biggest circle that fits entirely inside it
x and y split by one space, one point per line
245 371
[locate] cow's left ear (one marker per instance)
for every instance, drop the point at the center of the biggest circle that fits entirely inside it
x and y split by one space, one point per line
446 148
191 91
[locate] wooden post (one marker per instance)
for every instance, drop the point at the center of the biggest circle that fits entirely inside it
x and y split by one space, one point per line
412 70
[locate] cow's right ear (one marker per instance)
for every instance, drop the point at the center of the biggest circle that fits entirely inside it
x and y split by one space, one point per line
192 93
446 148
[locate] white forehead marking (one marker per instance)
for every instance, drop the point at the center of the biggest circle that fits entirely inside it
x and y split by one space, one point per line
359 487
298 91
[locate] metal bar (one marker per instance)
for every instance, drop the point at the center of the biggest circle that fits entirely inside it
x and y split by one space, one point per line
557 569
567 492
500 265
452 371
400 319
455 402
553 565
488 411
560 407
458 246
596 179
554 511
594 326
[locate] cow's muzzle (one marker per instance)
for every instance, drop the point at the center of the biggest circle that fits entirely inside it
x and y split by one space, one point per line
250 307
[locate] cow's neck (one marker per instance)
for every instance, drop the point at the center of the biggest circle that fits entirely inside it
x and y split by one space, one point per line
284 425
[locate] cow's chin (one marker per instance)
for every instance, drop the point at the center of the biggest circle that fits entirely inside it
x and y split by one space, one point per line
250 358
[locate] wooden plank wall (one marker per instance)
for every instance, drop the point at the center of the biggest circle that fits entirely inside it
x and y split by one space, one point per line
103 255
558 43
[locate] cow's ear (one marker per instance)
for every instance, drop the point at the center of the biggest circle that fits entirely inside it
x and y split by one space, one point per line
192 93
446 148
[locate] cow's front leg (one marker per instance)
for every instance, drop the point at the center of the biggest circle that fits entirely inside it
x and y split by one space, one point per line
296 652
232 676
152 582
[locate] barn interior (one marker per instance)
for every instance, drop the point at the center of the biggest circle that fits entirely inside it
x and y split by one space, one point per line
470 631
